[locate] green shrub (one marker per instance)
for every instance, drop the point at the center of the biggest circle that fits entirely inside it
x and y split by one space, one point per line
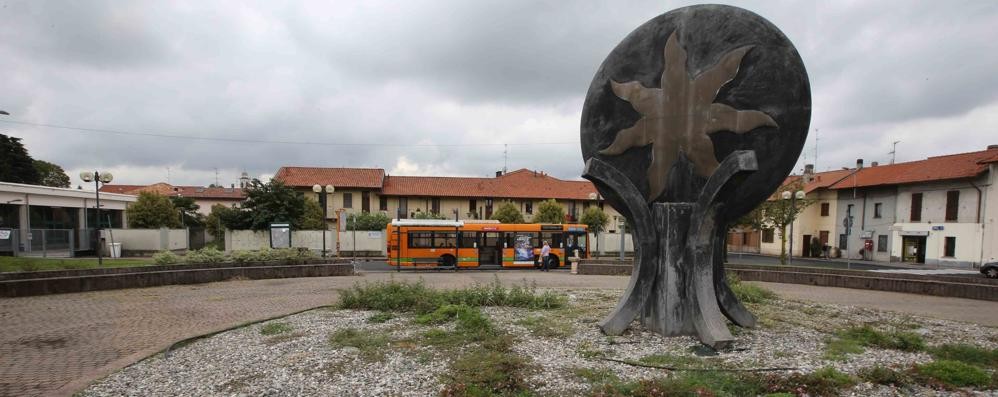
823 382
205 255
953 373
165 258
275 328
416 297
370 344
245 256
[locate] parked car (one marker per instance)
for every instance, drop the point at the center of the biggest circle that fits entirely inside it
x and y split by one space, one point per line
990 270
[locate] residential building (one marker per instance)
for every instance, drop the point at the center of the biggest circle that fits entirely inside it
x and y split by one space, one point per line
370 189
816 221
938 213
204 197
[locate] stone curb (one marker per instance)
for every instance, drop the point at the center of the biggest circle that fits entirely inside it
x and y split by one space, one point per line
967 288
61 285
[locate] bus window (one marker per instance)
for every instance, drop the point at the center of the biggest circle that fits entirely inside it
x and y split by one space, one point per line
468 239
420 240
509 240
491 239
444 239
555 239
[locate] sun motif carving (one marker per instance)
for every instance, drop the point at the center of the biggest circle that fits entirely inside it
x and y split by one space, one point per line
681 115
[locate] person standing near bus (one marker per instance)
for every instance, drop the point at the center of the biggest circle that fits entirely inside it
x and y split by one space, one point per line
545 254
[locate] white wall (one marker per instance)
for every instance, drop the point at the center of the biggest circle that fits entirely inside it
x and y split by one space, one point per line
244 240
147 239
968 242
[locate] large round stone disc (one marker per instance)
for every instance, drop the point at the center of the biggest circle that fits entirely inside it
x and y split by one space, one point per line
686 89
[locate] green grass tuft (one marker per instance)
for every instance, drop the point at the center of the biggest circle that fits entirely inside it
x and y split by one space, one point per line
275 328
885 376
853 340
749 293
546 327
969 354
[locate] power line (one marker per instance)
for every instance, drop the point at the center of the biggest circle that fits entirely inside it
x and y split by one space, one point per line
277 142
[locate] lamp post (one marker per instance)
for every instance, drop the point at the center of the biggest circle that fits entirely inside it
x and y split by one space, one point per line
97 178
329 189
793 197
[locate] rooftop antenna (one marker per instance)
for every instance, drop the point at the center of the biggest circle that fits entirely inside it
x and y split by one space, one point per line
505 158
216 177
816 148
167 175
893 152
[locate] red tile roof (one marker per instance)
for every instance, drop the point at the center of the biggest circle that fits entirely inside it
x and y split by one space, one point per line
186 191
522 183
371 178
939 168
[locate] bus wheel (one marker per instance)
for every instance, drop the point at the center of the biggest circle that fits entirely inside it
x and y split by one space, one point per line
554 262
447 260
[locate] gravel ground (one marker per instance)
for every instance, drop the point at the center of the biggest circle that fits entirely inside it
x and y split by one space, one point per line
558 343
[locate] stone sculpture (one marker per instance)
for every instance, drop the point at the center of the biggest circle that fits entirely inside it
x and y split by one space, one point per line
692 120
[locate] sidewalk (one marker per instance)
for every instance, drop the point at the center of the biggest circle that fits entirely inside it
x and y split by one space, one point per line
898 265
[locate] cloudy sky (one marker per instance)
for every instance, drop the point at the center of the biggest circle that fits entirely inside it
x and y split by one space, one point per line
438 88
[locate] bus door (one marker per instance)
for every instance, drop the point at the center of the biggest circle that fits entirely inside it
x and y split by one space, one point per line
489 251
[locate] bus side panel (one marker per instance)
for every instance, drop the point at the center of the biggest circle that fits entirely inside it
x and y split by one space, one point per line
467 257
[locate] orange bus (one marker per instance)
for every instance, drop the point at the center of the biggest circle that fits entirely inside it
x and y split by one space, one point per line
458 244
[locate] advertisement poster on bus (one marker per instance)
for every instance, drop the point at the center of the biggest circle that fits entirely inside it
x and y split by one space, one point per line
523 250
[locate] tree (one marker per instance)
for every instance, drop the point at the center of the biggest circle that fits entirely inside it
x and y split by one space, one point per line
595 220
222 217
508 213
153 211
50 174
312 217
368 221
549 211
15 164
189 215
271 202
777 213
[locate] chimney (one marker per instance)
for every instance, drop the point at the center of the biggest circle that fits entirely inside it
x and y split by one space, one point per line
498 174
233 185
808 173
859 164
874 164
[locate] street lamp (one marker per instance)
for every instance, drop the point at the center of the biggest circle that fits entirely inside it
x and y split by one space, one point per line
97 178
793 197
325 210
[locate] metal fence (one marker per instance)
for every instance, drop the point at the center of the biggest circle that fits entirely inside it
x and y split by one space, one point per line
55 243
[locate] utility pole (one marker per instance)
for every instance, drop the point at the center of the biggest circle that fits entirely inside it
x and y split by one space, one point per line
894 151
505 158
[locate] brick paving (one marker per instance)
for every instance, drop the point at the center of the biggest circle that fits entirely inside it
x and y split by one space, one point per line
57 344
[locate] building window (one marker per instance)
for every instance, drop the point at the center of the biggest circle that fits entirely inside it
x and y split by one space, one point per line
365 201
882 243
767 235
952 204
824 209
878 210
472 206
528 207
916 207
347 200
383 203
843 241
949 249
435 205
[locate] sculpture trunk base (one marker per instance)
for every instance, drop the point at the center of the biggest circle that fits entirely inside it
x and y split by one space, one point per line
682 299
677 286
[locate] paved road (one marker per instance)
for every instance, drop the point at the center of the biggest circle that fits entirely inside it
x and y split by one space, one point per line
57 344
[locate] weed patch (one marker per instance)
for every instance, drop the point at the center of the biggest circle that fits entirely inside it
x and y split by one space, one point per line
952 373
546 327
371 345
749 293
275 328
885 376
381 317
853 340
823 382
